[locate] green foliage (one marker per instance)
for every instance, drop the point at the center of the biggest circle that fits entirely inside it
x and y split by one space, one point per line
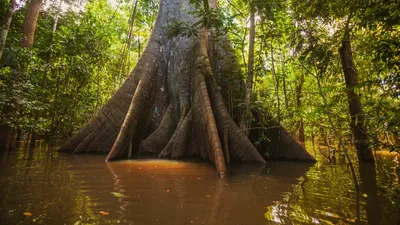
297 39
57 85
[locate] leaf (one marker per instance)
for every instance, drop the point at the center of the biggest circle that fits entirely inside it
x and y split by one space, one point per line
104 213
365 195
116 194
27 214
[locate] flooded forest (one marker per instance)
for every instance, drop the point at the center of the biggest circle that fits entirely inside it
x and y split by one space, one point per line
215 112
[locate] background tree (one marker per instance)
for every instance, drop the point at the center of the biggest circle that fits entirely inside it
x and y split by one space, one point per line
6 25
30 22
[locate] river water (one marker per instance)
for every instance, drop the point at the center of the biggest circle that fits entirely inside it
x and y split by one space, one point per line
42 186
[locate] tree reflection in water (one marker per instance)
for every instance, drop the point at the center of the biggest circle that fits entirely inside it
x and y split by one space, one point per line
326 195
61 188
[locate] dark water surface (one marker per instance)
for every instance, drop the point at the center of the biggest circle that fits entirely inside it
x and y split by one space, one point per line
42 186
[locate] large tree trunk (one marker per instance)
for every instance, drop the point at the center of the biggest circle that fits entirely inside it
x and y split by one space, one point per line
30 22
6 25
359 131
171 104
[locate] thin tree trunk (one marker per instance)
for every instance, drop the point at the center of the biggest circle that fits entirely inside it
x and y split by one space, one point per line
54 29
359 131
313 140
250 72
299 95
243 50
366 159
284 79
6 25
277 93
126 63
30 22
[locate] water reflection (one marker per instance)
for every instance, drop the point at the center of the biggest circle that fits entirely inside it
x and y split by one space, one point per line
34 182
176 192
66 189
326 195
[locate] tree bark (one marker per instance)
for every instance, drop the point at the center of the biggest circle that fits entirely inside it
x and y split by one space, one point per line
299 94
170 105
6 25
30 22
359 131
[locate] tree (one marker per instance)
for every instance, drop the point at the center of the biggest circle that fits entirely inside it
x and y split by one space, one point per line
250 69
6 25
7 133
358 129
171 105
34 134
5 130
30 22
355 20
299 94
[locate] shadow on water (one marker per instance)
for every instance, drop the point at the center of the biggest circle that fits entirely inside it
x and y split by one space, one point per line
67 189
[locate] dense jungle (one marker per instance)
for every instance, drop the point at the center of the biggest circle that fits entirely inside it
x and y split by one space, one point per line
200 112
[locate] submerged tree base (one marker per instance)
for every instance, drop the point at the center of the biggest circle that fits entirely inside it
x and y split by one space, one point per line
171 104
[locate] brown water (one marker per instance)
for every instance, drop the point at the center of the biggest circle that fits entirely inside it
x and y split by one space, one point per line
42 186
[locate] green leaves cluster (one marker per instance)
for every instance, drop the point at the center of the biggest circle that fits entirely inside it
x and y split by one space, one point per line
298 63
55 87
